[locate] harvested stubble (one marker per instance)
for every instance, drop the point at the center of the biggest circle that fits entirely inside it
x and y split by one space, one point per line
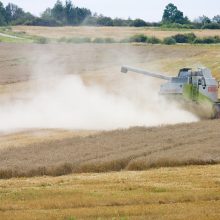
168 193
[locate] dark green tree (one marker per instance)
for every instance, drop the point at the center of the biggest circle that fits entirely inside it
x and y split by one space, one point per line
13 13
9 11
173 15
104 21
82 14
66 14
58 11
2 14
216 19
203 20
118 22
70 13
47 14
139 23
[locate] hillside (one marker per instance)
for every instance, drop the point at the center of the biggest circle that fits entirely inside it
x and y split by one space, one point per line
98 63
29 68
61 107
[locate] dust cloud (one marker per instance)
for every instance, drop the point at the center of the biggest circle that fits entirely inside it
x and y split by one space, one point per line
66 102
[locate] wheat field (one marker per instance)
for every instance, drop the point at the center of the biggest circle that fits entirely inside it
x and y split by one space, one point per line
133 149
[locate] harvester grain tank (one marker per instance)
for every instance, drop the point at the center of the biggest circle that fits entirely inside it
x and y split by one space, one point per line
198 89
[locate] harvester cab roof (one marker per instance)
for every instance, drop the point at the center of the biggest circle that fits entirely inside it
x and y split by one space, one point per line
188 72
185 72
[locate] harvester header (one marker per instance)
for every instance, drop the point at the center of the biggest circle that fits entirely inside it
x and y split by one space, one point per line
125 69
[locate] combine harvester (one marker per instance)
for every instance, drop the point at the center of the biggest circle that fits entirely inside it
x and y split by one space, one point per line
196 91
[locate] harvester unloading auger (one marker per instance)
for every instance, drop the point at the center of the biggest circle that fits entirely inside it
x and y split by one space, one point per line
198 90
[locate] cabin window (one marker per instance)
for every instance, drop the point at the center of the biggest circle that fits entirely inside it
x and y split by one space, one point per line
184 74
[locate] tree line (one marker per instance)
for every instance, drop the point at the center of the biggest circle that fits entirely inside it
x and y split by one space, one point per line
172 17
62 14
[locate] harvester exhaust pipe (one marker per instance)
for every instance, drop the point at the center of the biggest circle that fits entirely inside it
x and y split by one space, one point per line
125 69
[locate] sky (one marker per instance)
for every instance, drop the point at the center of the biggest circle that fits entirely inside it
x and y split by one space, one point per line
145 9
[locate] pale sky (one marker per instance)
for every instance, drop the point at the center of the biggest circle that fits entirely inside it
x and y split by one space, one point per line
145 9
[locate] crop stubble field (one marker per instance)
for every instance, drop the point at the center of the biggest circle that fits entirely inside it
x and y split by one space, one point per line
167 193
106 32
176 193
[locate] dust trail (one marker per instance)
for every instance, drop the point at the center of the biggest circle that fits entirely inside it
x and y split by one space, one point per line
66 102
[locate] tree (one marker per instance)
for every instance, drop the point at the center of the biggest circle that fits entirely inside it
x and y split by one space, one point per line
9 11
58 11
216 19
66 14
104 21
70 13
173 15
203 20
47 14
139 23
83 13
13 12
120 22
2 14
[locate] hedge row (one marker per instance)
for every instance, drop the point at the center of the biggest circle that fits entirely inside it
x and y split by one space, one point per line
188 38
